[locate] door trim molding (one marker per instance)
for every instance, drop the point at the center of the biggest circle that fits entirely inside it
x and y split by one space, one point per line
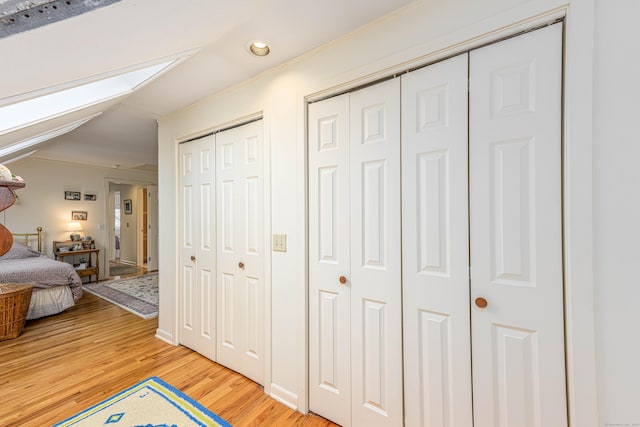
577 195
109 215
578 217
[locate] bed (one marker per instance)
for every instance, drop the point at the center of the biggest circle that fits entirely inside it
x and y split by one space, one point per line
57 286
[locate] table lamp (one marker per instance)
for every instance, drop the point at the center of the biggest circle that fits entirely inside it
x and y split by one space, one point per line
74 227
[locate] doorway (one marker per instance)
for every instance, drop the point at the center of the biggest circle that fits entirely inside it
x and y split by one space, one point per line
132 230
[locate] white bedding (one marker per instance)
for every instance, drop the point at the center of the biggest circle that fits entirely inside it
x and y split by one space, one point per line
45 302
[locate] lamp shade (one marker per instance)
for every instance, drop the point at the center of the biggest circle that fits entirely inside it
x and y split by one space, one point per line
74 226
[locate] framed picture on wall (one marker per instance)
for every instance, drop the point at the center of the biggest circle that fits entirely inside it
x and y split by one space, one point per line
90 197
72 195
128 207
78 215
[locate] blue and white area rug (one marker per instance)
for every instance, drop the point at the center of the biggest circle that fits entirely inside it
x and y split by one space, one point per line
138 294
151 403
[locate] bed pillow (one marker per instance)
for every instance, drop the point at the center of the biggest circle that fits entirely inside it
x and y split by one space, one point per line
19 251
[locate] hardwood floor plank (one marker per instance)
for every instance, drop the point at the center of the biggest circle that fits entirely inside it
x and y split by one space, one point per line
65 363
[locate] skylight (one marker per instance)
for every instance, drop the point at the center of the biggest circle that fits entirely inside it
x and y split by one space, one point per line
39 139
25 113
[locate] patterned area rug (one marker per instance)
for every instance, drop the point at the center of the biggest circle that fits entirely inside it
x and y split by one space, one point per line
150 403
139 294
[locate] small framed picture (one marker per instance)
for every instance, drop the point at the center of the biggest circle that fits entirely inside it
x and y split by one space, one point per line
79 215
128 207
72 195
90 197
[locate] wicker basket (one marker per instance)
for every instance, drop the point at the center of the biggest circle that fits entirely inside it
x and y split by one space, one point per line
14 304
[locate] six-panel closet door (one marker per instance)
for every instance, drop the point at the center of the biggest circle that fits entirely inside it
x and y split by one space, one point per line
481 241
355 331
197 247
329 260
240 264
516 231
435 245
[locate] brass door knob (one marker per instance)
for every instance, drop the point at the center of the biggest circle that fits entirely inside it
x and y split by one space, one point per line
481 302
342 280
193 258
241 265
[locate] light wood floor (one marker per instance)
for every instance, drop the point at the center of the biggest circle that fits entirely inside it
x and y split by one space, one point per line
65 363
116 263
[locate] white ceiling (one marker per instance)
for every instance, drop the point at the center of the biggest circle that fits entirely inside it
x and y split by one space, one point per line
136 31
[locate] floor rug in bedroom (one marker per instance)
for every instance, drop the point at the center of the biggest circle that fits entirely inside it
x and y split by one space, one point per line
151 402
138 295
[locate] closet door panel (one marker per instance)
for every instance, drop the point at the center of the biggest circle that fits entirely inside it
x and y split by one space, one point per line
516 231
240 258
197 246
435 245
329 260
188 182
376 303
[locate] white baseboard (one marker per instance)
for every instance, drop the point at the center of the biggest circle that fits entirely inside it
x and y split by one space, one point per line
284 396
164 336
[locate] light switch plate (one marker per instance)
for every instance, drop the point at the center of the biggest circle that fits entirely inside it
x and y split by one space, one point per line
280 242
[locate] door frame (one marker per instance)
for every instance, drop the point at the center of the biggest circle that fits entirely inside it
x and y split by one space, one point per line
109 214
577 195
266 200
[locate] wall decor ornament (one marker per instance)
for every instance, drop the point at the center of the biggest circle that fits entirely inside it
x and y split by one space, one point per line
128 206
72 195
79 215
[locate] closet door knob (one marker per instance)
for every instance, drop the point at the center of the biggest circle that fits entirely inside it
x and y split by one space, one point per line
481 302
342 280
193 258
241 265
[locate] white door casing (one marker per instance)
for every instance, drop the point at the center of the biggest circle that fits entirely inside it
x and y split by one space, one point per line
152 227
435 245
329 260
241 251
516 231
197 251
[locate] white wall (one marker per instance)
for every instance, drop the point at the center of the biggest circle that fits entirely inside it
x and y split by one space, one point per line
616 173
413 36
42 203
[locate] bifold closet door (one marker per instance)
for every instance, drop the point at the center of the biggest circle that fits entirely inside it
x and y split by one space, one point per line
376 283
355 323
435 242
516 231
197 282
240 309
329 260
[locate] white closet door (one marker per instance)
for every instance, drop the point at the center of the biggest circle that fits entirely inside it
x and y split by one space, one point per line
435 245
240 319
516 231
376 298
329 258
197 296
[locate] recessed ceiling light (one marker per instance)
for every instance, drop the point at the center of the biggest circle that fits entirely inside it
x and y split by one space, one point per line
259 48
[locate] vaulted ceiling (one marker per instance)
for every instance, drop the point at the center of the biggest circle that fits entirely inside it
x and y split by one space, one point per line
210 36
